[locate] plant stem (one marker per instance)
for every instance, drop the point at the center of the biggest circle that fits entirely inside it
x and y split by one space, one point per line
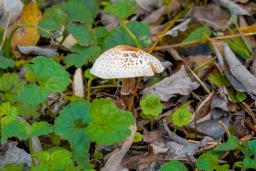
151 124
131 34
31 150
89 89
105 86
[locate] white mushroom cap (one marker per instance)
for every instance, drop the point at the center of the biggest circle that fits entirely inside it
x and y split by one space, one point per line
125 62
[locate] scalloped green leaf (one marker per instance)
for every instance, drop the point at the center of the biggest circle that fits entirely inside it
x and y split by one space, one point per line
53 21
108 124
120 37
121 9
182 116
70 125
82 56
33 94
151 106
173 165
83 33
40 128
6 62
49 74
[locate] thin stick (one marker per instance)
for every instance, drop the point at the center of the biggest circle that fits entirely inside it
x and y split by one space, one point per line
224 127
5 30
194 42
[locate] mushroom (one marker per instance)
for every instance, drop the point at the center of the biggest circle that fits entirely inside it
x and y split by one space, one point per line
126 63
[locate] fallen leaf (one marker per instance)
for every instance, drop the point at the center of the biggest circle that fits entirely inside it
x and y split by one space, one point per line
78 83
27 35
35 50
232 6
178 83
12 8
15 155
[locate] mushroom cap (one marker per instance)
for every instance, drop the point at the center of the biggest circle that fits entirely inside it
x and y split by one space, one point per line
124 61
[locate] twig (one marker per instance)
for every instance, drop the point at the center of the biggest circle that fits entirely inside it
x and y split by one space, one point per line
247 108
5 30
173 136
224 127
194 42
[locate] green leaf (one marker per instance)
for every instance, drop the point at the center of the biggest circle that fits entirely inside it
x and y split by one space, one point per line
109 124
88 75
59 159
16 128
70 125
249 163
120 37
8 113
50 74
53 21
6 62
198 34
249 148
121 9
181 116
33 94
173 165
138 137
82 56
240 96
101 34
239 47
151 106
82 33
207 162
13 167
233 143
218 79
83 11
40 128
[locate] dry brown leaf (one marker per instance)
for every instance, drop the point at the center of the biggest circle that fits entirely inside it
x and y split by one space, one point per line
27 35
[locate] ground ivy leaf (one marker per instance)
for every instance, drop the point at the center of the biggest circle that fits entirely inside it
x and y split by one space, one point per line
6 62
33 94
120 37
82 56
233 143
151 105
173 165
108 124
249 148
52 22
59 159
181 116
70 125
50 74
83 33
16 128
207 162
83 11
121 9
8 113
40 128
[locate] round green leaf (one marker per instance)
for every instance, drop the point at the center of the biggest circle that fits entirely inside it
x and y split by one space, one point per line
151 105
109 124
173 165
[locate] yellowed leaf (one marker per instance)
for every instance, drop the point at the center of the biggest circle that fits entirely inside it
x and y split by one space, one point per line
27 35
249 29
30 14
24 36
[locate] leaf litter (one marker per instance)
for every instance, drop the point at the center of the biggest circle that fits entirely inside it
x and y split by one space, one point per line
198 114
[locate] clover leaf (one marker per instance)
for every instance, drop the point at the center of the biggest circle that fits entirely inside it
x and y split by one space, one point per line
181 116
120 37
121 9
151 106
108 124
173 165
70 125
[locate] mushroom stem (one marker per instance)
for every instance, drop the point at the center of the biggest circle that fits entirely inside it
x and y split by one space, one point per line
128 85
